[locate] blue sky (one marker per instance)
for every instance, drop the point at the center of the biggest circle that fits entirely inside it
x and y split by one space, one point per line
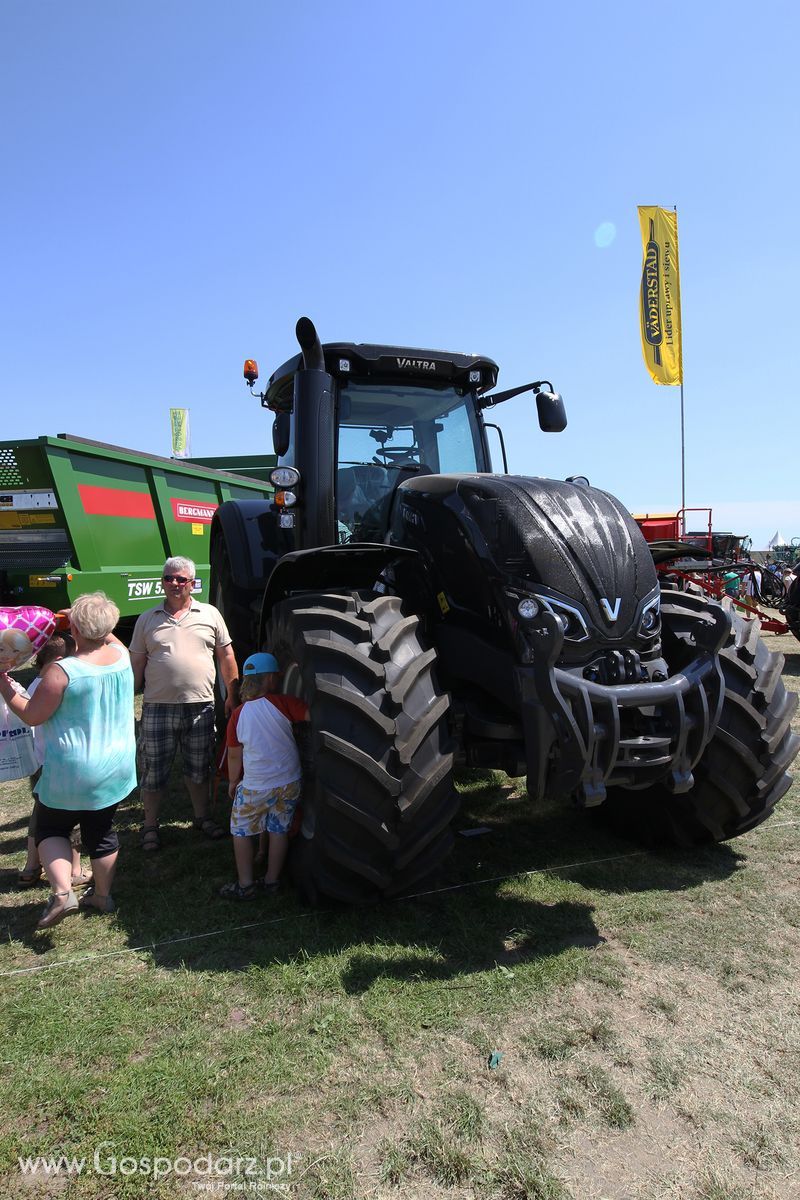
183 180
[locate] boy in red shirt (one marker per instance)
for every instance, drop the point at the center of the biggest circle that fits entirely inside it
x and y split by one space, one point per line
264 772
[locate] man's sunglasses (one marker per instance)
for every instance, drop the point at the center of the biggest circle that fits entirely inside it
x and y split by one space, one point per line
176 579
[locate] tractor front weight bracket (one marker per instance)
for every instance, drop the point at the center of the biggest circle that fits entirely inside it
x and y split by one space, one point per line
582 736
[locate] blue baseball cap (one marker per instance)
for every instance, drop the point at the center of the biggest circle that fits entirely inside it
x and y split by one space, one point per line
260 664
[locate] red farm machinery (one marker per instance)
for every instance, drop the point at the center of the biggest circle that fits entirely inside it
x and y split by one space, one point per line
719 565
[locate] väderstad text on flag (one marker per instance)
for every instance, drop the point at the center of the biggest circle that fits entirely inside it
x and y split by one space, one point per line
660 295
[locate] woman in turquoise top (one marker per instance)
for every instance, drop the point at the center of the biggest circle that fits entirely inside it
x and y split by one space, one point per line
84 706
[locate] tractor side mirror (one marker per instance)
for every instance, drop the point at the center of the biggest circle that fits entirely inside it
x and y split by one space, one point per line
552 414
281 433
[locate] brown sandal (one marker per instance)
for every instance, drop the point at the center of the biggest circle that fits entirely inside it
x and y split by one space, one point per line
151 838
87 902
52 915
210 828
31 877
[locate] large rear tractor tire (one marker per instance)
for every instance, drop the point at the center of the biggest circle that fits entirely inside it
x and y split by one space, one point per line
378 795
234 603
743 771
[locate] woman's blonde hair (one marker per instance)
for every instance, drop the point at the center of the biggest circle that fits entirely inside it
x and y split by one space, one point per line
94 616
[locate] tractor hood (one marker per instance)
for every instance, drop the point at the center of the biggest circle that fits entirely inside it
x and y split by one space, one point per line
558 540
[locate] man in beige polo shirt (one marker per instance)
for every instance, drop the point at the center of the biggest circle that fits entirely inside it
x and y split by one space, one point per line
174 650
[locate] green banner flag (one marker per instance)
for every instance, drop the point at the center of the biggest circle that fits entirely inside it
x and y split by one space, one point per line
179 423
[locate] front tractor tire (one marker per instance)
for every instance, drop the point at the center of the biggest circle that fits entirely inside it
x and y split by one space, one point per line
378 794
743 771
791 607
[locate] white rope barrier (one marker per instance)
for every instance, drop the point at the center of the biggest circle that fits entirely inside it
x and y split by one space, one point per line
456 887
193 937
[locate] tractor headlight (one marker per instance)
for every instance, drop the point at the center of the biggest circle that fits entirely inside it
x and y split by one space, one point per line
284 477
650 620
572 619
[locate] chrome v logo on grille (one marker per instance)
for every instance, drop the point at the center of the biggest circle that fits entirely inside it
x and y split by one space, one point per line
610 613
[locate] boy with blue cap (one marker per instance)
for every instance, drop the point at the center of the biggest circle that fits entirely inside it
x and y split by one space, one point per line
264 772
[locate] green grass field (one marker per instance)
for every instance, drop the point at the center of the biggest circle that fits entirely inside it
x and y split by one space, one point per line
565 1017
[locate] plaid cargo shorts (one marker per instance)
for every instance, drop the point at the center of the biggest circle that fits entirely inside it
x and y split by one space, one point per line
166 727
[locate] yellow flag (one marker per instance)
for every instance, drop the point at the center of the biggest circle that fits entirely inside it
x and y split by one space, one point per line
660 295
179 423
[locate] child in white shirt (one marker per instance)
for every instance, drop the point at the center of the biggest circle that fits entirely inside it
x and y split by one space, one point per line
264 773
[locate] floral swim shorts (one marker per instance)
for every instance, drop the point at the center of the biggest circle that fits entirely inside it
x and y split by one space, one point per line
259 812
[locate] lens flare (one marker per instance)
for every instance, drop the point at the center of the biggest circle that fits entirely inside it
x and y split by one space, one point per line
605 234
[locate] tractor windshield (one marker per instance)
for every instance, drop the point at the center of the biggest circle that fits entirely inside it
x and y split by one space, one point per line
392 432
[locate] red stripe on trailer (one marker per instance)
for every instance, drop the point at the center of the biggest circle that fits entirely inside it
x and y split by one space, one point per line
113 502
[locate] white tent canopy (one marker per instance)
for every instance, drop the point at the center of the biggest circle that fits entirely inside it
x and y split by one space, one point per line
777 539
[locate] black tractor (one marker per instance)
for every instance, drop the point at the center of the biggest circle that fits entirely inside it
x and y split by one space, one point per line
434 614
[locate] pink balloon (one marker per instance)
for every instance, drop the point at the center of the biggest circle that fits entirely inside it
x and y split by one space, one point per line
23 632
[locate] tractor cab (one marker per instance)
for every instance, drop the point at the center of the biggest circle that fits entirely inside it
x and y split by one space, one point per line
391 432
356 421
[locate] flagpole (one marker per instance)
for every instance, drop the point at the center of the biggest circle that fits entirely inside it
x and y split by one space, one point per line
683 434
683 453
660 309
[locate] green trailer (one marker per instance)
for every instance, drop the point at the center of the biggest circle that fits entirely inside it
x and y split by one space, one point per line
80 516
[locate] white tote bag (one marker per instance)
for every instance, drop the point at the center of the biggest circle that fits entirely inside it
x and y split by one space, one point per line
17 756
